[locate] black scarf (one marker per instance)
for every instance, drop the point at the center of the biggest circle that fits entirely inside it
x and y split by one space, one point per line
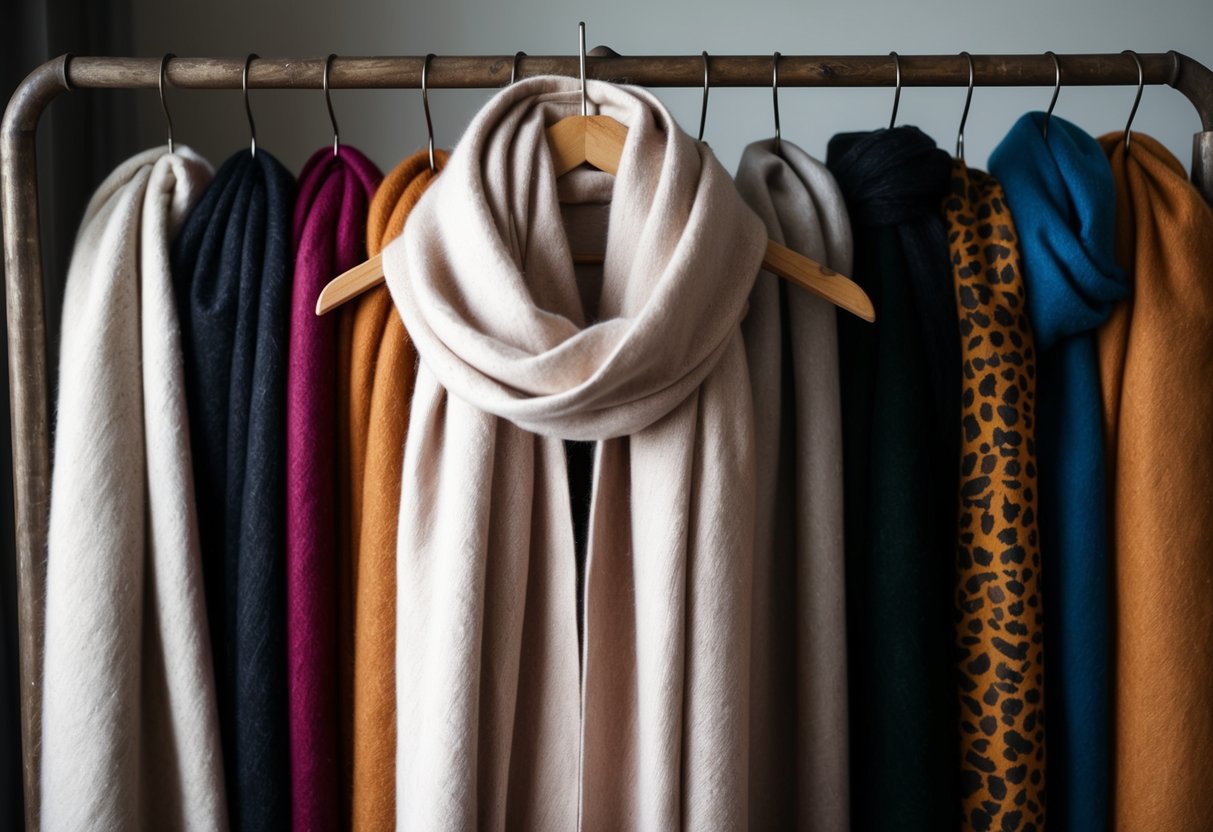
231 267
901 420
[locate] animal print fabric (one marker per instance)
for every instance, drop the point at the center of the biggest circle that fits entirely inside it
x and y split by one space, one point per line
999 617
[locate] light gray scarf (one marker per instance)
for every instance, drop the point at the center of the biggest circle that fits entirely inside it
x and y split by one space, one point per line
799 765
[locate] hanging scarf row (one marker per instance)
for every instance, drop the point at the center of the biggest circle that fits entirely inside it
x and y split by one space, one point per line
526 539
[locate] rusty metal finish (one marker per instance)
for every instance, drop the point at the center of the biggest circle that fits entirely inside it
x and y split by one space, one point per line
23 256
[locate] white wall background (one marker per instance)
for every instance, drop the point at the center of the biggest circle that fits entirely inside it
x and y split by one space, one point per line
388 125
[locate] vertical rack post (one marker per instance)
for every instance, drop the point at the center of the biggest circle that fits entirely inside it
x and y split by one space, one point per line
27 357
1202 164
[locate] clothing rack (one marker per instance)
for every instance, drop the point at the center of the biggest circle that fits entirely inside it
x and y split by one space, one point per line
23 255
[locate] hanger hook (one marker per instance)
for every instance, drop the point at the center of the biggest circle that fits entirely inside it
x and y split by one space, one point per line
328 101
896 88
248 110
1141 84
703 112
168 119
581 38
514 70
964 116
1044 127
425 103
775 101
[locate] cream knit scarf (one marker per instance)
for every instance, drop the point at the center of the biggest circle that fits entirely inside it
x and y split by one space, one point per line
501 722
130 736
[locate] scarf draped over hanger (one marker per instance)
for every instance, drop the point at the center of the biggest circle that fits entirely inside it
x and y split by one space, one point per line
800 776
130 724
901 422
1154 356
231 269
329 237
1062 197
502 720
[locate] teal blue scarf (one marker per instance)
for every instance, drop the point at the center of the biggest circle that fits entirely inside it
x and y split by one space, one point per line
1062 197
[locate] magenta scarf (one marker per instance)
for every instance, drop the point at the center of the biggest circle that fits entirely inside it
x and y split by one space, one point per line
330 236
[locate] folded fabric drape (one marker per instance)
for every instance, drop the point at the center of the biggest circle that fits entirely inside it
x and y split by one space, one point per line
516 355
1061 194
129 730
999 616
377 369
798 708
231 267
1158 416
901 424
329 238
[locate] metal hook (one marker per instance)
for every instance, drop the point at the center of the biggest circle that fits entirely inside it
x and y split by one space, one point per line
1141 83
168 119
897 88
425 103
964 116
581 37
252 126
775 100
703 112
328 101
1044 127
514 70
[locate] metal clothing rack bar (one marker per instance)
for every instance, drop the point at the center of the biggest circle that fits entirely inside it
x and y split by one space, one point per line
23 256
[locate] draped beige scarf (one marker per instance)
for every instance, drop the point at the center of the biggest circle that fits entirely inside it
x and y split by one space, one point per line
500 721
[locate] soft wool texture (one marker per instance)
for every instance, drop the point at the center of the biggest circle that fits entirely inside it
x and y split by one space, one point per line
377 370
799 776
500 724
329 237
1064 203
231 267
129 733
901 421
999 618
1154 355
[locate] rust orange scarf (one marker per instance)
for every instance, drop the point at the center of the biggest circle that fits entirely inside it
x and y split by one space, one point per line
379 364
1154 355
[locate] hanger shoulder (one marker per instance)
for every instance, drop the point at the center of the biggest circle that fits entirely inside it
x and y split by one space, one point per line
604 141
351 284
566 138
779 260
816 278
576 140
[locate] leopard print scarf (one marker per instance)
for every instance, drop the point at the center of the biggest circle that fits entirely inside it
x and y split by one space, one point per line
999 615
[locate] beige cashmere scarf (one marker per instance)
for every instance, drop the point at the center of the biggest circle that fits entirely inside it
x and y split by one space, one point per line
501 724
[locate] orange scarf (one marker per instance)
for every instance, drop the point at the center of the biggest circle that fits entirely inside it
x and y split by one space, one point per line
376 389
999 616
1155 353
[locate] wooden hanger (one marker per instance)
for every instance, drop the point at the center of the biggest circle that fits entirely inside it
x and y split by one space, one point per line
599 141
